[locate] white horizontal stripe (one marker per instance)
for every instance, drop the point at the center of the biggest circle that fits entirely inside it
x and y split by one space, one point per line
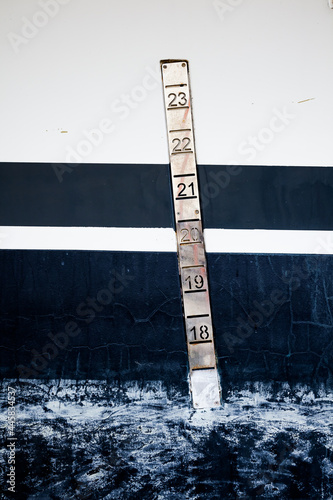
163 240
268 241
88 238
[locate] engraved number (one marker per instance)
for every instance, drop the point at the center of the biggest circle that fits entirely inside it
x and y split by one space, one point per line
204 333
193 233
198 281
172 100
185 147
182 99
182 187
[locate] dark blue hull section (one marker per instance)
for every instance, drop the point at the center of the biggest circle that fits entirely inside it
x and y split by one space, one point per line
117 316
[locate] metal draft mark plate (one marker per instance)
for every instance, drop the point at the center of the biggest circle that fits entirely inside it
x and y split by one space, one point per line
204 378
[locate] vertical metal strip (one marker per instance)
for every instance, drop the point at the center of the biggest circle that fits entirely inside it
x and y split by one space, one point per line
204 378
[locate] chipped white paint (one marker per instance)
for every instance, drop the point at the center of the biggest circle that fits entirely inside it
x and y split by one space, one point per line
272 435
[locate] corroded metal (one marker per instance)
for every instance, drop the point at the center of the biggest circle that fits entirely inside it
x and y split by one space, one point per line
204 379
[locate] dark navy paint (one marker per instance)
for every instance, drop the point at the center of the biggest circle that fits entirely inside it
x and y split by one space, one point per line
138 333
116 318
123 195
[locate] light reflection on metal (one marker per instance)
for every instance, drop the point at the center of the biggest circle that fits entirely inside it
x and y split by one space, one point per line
204 378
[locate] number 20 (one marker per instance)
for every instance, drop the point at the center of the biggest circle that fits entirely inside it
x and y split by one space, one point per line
188 234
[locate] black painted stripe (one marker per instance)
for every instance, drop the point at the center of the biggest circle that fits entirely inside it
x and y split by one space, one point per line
232 197
89 195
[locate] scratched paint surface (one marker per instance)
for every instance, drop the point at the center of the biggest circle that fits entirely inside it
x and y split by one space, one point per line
139 335
90 440
124 427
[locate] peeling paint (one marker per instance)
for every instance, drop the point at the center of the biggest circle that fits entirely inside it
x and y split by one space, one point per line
95 440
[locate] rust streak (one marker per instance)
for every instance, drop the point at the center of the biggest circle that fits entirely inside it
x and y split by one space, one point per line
306 100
